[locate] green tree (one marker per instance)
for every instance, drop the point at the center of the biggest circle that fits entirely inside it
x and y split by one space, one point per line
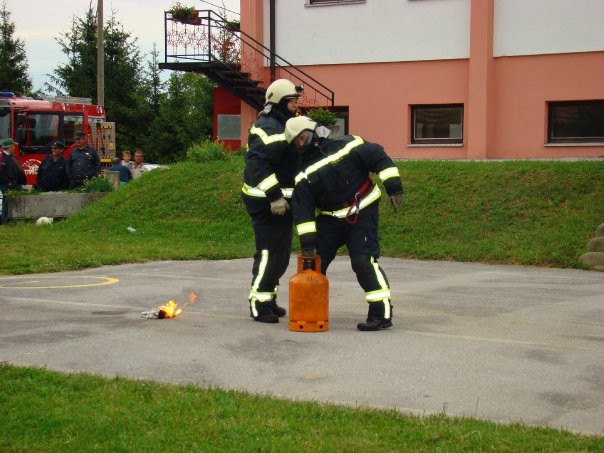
13 60
152 83
123 59
185 117
149 98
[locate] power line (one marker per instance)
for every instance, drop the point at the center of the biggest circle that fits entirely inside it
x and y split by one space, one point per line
220 7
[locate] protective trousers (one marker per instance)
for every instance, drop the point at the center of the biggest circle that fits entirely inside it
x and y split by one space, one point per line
362 241
273 235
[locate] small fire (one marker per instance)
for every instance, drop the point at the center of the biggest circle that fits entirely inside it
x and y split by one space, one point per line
172 310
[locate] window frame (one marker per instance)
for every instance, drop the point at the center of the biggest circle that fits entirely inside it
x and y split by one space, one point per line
319 3
551 140
25 134
435 141
222 126
69 132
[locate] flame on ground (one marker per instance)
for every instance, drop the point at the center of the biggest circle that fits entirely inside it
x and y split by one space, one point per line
172 310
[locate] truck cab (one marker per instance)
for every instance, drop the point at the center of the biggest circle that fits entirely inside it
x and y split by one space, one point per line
36 123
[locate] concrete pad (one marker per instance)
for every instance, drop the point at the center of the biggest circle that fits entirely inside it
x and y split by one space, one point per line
504 343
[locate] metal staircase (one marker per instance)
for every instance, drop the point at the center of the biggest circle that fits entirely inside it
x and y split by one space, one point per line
209 44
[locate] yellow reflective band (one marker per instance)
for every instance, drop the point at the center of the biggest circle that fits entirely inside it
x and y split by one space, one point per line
268 183
261 269
261 297
267 139
391 172
341 213
384 293
305 228
255 192
379 275
330 159
387 313
299 177
252 191
375 296
256 296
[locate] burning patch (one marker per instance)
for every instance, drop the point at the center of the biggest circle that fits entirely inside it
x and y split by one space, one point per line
170 310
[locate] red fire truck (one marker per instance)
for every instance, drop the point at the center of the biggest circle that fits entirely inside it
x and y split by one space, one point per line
36 123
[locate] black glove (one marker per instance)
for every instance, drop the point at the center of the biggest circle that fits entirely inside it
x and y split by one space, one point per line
395 200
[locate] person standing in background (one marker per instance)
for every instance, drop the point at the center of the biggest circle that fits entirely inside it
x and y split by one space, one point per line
83 162
52 173
11 176
127 160
123 171
138 167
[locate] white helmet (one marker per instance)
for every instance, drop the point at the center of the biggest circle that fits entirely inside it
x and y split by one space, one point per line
282 89
295 126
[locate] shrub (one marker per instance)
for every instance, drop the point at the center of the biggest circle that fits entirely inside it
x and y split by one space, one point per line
322 116
97 184
206 151
242 151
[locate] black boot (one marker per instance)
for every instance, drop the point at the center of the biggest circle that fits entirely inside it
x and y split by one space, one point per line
375 317
263 312
279 311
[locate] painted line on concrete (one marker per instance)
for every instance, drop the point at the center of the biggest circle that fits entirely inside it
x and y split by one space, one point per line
107 281
186 277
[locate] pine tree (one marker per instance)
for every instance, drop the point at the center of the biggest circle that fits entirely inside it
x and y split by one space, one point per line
185 117
13 60
78 76
152 82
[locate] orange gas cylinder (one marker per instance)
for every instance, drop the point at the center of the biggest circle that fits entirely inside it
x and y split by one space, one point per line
309 297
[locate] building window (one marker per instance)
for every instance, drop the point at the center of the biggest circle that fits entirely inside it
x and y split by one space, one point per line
341 127
229 127
435 124
576 121
331 2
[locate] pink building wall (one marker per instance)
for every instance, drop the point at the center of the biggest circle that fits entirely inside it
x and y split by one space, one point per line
525 84
379 110
505 98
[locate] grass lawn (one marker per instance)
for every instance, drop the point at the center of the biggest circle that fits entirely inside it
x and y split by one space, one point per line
529 213
48 411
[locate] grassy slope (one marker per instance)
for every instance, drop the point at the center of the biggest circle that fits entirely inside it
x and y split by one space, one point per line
535 213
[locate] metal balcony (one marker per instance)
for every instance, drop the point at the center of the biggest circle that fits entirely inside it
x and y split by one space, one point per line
209 44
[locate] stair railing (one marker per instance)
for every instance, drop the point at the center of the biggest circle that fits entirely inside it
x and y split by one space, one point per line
209 37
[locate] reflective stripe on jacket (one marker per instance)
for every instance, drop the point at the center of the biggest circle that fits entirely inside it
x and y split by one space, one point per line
333 173
270 164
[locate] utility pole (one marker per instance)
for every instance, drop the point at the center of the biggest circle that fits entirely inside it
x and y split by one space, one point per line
100 56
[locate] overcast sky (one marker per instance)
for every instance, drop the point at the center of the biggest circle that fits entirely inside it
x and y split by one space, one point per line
39 22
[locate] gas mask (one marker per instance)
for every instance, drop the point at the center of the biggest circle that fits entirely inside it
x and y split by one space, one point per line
310 144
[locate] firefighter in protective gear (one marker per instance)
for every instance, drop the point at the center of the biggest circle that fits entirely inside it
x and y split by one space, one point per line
335 181
268 182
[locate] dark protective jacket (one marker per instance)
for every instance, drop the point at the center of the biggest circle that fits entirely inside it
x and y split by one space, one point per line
84 163
52 175
125 174
270 166
11 175
333 172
